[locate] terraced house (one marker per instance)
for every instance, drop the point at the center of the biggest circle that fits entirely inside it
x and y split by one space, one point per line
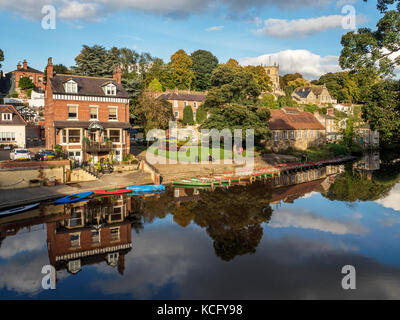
293 128
87 116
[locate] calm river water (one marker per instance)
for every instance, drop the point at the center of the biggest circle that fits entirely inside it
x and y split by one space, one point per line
253 241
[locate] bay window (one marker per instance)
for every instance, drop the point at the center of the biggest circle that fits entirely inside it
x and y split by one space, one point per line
74 136
115 136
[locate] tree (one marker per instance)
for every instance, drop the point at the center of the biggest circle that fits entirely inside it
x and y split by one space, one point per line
204 63
153 113
231 84
343 86
188 116
181 70
349 132
61 69
1 56
261 77
25 83
382 110
155 85
269 101
201 115
235 116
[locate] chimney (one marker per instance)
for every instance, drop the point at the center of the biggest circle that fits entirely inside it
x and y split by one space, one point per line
25 64
19 66
50 69
117 76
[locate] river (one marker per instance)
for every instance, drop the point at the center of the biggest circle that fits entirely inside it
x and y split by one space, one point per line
255 241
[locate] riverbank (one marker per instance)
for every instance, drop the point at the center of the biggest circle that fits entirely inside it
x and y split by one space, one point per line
19 197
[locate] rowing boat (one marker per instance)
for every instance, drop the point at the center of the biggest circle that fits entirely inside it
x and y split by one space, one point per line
147 188
111 191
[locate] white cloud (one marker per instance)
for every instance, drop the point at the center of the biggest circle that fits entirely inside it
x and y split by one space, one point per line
309 64
76 11
282 28
95 9
308 220
215 28
392 201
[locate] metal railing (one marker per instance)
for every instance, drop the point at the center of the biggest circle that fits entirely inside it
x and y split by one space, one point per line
93 146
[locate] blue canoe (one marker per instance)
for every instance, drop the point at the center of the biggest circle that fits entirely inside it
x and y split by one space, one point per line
73 198
156 188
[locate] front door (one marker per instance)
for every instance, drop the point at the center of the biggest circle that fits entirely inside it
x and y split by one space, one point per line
93 136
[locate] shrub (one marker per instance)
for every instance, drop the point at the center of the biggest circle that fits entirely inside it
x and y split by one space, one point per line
201 115
338 149
187 116
25 83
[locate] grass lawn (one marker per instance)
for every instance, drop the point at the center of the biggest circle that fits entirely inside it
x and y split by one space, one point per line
201 152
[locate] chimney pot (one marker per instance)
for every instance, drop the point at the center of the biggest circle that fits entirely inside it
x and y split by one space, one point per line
25 64
50 68
19 66
117 76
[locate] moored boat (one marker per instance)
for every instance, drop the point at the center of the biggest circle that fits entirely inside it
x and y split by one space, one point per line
110 192
19 209
147 188
73 198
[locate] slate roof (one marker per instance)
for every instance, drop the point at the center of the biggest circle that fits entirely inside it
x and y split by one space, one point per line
303 92
300 120
183 96
87 86
28 69
17 119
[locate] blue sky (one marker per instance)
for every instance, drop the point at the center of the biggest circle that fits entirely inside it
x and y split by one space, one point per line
243 30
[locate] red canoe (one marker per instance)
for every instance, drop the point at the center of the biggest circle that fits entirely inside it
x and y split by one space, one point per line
111 191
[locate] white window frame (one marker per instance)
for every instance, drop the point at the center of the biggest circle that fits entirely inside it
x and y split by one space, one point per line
120 135
116 113
7 116
195 104
77 112
71 87
175 103
284 134
276 136
97 113
292 135
73 143
79 240
119 234
113 89
176 114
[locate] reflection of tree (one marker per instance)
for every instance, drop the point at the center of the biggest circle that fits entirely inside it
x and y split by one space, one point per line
153 207
231 217
353 186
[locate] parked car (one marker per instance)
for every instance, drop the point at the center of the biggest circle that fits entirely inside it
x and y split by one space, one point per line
20 154
45 155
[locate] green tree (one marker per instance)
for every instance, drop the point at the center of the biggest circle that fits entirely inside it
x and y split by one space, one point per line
61 69
187 116
155 85
349 132
204 63
235 116
1 56
92 61
201 115
343 86
153 113
181 70
269 101
25 83
261 77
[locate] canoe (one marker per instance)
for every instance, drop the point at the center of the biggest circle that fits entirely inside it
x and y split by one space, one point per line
111 191
201 182
73 198
147 188
19 209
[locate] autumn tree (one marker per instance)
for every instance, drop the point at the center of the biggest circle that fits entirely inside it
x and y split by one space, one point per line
261 77
181 70
155 85
153 113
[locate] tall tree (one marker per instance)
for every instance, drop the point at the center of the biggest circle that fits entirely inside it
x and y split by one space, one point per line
153 113
93 61
1 56
188 116
61 69
261 77
204 63
155 85
181 69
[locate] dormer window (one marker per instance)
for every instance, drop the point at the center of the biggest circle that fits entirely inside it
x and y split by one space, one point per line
110 89
7 116
71 87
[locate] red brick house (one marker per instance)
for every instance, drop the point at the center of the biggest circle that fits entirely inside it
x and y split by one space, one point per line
36 76
180 99
87 116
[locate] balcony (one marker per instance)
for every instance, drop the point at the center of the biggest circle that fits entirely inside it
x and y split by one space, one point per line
96 147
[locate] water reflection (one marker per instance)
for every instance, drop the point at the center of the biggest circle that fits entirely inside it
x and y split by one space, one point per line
283 238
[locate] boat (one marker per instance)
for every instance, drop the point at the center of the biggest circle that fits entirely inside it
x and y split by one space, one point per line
73 198
19 209
110 192
201 182
147 188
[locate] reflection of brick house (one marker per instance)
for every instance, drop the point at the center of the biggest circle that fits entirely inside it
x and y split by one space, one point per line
180 99
36 76
318 95
291 127
95 232
87 116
